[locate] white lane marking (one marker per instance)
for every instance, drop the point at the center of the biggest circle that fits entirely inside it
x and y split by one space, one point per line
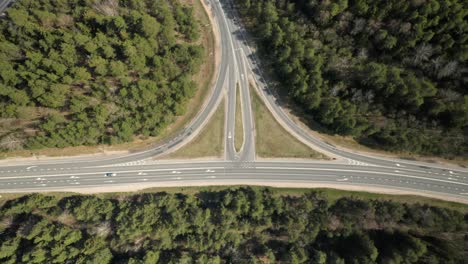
177 178
275 168
98 173
464 193
74 183
111 181
43 185
361 171
358 163
211 177
345 179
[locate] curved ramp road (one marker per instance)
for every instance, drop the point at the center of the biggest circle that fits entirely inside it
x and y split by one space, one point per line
238 63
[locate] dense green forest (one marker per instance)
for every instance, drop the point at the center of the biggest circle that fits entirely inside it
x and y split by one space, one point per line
86 72
392 74
236 225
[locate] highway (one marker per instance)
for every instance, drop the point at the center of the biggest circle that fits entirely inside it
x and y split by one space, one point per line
238 64
40 179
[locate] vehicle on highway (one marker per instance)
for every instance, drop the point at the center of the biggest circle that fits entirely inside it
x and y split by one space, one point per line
229 135
111 174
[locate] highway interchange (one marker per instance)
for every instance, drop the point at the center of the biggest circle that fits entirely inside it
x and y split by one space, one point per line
238 64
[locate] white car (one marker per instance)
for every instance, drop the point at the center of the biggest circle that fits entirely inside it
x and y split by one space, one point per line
229 135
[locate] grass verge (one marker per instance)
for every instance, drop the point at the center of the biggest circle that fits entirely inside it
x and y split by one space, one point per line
239 133
272 140
331 194
204 78
208 143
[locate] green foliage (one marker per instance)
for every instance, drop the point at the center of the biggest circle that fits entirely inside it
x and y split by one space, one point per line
74 55
237 225
389 73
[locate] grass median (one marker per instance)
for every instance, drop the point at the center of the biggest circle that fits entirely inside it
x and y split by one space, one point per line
239 133
272 140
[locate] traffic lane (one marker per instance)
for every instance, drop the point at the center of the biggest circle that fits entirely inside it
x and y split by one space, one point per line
369 180
288 166
340 177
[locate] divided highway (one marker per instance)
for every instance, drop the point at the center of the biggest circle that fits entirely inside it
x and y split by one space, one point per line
255 71
37 178
238 63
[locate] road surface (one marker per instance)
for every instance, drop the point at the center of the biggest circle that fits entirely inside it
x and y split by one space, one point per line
4 4
39 178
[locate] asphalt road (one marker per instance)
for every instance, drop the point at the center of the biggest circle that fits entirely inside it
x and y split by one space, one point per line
238 75
4 5
238 62
37 178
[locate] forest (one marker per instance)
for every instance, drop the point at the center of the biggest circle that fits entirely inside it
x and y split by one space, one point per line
391 74
231 225
87 72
